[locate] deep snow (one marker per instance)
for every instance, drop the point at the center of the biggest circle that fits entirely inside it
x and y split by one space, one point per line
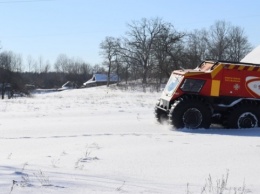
106 140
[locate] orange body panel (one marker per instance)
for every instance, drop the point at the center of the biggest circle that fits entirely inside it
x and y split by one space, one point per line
226 79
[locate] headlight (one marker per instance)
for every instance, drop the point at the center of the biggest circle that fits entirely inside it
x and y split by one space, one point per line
192 85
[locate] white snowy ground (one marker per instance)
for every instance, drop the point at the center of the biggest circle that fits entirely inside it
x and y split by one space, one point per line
101 140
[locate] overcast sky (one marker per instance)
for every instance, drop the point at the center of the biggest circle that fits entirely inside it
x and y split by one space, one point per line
76 28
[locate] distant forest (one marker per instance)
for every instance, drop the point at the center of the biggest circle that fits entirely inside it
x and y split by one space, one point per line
149 51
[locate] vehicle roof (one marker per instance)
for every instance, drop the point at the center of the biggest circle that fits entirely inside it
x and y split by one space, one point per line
231 62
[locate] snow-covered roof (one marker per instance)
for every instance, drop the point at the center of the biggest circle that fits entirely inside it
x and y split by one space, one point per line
253 56
102 78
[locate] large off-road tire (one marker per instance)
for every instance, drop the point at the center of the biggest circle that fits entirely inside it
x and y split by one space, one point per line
243 116
190 113
160 115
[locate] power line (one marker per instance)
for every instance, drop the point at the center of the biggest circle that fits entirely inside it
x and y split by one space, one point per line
23 1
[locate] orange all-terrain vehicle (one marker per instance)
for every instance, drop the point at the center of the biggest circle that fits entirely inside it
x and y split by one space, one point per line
222 92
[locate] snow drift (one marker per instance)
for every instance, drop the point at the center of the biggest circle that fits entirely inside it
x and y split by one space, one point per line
104 140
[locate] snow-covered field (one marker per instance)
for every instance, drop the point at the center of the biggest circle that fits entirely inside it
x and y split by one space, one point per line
101 140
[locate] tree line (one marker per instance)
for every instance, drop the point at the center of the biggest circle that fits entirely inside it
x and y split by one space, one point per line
149 51
152 49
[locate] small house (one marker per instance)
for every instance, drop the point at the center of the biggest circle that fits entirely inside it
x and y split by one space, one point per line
101 79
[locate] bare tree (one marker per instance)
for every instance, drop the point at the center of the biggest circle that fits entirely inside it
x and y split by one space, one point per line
17 63
124 64
8 64
62 63
227 42
46 67
219 40
98 69
85 68
30 62
196 47
142 35
240 45
110 50
167 51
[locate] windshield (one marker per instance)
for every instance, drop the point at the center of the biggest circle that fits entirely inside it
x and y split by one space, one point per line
172 84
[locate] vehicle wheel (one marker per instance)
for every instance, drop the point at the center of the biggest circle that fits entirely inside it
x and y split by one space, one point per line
245 116
160 115
190 113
